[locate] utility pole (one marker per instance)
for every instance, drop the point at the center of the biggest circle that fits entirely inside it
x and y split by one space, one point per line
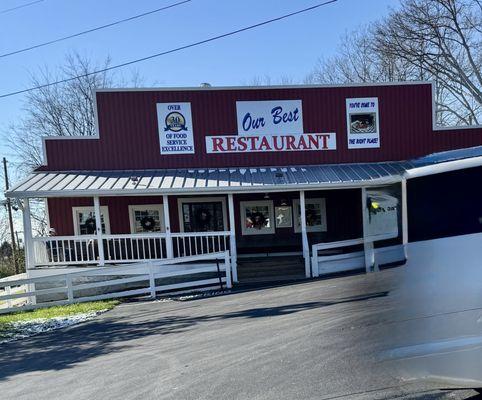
18 240
10 219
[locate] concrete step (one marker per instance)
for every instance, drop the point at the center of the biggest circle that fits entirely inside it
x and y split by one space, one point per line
265 279
271 268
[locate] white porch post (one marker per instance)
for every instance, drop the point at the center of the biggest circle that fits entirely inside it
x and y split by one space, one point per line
232 238
404 216
304 235
367 245
98 231
28 246
27 236
167 223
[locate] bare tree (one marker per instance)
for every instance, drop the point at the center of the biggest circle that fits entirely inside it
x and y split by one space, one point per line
266 80
438 40
359 60
444 39
4 229
60 110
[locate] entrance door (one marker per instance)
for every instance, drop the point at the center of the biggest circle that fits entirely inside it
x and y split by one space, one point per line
202 214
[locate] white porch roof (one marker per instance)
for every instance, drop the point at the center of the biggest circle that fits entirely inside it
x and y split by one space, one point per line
232 180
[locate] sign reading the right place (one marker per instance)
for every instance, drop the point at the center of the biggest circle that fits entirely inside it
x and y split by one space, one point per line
362 123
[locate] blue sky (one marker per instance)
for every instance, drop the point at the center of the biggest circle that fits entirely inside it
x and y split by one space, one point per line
289 48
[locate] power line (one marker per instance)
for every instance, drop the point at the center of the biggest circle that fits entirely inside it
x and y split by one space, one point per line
211 39
20 6
93 29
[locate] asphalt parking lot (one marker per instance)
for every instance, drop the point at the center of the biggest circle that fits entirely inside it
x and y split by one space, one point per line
312 340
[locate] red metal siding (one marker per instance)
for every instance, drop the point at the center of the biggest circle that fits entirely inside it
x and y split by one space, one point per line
129 132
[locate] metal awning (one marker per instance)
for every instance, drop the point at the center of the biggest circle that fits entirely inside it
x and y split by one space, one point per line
207 180
233 180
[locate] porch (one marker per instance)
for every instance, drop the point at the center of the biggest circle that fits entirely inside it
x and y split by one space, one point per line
120 217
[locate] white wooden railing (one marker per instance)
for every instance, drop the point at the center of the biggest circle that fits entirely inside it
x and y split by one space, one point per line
132 248
324 261
65 250
196 243
335 262
89 284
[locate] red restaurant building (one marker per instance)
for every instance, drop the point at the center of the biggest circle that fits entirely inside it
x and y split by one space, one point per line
294 181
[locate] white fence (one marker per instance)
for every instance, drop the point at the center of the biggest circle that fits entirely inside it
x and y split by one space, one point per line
84 249
114 281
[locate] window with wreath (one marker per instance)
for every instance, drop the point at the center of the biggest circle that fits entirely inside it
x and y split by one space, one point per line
206 214
315 212
146 218
257 217
84 220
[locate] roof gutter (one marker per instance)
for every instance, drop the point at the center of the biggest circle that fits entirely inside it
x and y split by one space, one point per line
446 166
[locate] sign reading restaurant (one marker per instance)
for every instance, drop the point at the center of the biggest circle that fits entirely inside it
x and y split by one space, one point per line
255 143
270 126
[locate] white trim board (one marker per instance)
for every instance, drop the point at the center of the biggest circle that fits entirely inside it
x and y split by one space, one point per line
247 87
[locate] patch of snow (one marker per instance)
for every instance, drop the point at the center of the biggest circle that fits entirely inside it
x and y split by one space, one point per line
23 329
195 296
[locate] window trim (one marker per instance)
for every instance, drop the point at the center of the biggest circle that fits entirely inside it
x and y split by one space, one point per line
249 231
296 210
103 210
142 207
182 200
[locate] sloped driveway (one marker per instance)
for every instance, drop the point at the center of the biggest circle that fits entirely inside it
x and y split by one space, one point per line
313 340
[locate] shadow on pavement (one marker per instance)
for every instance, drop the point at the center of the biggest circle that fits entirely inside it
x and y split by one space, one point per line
65 348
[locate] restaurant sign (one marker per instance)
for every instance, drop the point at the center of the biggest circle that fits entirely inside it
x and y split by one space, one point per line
257 143
175 128
270 126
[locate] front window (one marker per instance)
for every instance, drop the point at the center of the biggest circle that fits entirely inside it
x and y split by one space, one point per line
257 217
146 218
202 215
315 215
84 220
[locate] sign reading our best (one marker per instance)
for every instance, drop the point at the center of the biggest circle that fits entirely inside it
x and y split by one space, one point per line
175 128
269 117
270 126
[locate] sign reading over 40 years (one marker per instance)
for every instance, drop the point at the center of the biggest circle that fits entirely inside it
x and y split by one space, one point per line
175 128
362 123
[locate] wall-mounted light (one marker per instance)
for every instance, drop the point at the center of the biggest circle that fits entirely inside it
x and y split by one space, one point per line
266 196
